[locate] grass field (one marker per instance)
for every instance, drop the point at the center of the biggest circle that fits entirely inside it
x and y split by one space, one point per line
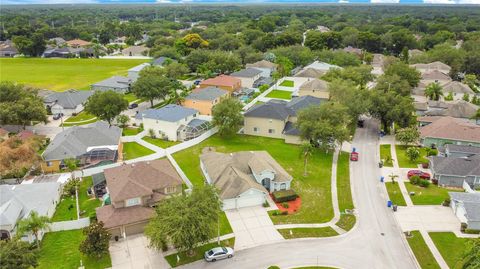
451 247
433 195
280 94
287 83
82 116
395 194
346 221
199 252
403 160
160 142
307 232
385 153
130 131
60 251
422 252
132 150
62 74
313 189
343 182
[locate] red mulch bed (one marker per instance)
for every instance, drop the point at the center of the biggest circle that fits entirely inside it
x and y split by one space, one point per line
293 206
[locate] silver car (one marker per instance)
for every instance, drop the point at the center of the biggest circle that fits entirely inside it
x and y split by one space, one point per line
218 253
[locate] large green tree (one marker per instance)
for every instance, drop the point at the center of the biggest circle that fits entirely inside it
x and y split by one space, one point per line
106 105
391 107
34 223
185 220
152 85
96 240
17 254
405 72
408 135
472 256
227 116
356 99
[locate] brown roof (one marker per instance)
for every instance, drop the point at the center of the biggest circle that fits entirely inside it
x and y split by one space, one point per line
3 132
25 134
78 43
457 87
435 75
222 80
262 64
114 217
140 179
310 73
451 128
315 84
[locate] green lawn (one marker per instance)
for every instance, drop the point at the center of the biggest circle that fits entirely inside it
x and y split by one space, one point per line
280 94
130 131
433 195
395 194
346 222
130 97
451 247
343 182
199 252
60 251
132 150
66 124
67 208
82 116
422 252
225 227
62 74
307 232
314 189
287 83
403 160
160 142
385 151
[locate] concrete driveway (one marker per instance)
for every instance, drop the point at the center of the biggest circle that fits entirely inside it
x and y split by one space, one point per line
427 218
133 252
252 227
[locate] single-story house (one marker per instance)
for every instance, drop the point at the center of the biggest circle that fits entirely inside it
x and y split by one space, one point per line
7 49
314 87
134 72
67 102
225 82
90 144
116 83
247 76
174 122
205 99
77 43
448 130
135 51
457 89
134 190
244 178
435 66
459 151
277 118
63 52
265 66
466 207
18 201
455 109
453 172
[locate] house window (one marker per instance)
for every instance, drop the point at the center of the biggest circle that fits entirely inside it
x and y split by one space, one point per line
271 131
171 189
132 202
255 129
49 164
283 186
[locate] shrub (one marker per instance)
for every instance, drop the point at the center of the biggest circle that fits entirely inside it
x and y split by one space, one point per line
447 202
432 152
435 181
424 183
284 196
284 213
265 204
414 180
276 212
69 188
471 231
285 205
463 227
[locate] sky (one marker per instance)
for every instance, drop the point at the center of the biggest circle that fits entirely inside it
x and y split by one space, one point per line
19 2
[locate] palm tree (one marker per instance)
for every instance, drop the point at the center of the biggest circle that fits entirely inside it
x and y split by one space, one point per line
34 224
392 177
307 151
434 91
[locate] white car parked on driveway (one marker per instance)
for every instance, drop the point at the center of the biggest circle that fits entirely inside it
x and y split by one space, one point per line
218 253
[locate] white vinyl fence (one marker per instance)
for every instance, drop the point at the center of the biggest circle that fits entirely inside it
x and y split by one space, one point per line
69 225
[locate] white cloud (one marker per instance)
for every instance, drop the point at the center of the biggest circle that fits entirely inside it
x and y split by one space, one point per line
47 2
385 1
439 1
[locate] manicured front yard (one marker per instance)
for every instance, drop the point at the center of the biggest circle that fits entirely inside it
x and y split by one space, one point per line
422 252
395 194
67 124
160 142
433 195
130 131
346 221
82 116
313 189
287 83
225 227
132 150
307 232
60 251
280 94
199 252
451 247
386 154
66 210
343 182
130 97
403 160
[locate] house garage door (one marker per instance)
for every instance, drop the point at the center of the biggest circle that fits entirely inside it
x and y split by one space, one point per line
135 228
251 200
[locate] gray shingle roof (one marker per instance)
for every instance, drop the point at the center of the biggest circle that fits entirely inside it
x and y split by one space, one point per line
290 129
74 141
68 99
462 148
209 94
302 102
247 73
114 82
471 203
171 113
160 61
456 166
138 68
277 109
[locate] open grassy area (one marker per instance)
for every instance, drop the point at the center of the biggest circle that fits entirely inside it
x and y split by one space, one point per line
346 221
287 83
130 131
225 227
433 195
82 116
313 189
67 208
66 124
451 247
132 150
62 74
130 97
160 142
403 160
422 252
199 252
343 182
395 194
280 94
386 153
60 250
307 232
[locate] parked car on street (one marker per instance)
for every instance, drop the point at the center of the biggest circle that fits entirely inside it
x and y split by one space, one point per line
57 116
354 155
132 105
421 174
218 253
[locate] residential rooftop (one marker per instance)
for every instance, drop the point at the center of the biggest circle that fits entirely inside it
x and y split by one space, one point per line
68 99
450 128
171 113
208 94
247 73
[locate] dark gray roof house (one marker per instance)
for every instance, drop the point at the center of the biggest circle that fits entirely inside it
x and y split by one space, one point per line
247 73
453 172
466 207
171 113
115 83
460 151
208 94
70 99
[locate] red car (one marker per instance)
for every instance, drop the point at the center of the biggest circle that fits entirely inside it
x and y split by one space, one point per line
421 174
354 156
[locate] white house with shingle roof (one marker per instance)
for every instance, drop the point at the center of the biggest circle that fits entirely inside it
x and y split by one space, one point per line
466 207
248 76
67 102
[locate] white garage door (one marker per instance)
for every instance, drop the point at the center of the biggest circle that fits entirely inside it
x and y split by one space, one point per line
249 198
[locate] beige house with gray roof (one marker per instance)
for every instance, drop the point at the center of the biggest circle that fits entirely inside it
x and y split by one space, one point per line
314 87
